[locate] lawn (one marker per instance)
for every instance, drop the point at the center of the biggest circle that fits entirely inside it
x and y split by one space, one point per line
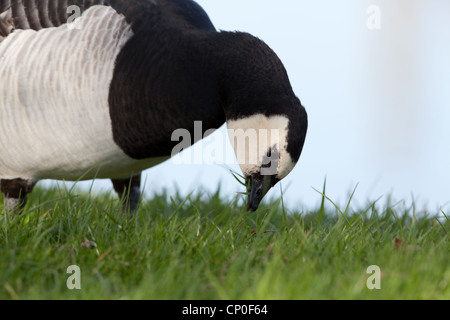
202 247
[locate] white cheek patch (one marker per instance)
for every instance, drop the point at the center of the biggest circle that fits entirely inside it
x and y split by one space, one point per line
252 137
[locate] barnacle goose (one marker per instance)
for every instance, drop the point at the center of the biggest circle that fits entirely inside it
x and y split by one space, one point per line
99 96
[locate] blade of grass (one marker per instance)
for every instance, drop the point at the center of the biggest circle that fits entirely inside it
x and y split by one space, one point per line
322 203
334 204
283 209
440 223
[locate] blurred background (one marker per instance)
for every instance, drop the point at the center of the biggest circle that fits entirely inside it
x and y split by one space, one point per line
374 77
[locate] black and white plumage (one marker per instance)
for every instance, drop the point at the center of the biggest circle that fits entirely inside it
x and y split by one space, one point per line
101 97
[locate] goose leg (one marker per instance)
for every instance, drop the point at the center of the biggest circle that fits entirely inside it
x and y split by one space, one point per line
130 190
15 192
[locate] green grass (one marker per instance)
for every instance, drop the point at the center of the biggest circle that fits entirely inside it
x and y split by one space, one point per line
206 248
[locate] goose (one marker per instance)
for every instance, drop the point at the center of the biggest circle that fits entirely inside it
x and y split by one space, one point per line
95 89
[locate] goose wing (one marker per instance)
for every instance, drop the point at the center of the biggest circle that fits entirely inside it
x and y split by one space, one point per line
39 14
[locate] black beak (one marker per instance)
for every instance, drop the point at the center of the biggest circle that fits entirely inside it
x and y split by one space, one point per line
257 189
255 194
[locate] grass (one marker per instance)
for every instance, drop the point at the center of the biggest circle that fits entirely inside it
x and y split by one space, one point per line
206 248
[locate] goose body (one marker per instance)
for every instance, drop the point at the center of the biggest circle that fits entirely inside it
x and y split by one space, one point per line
59 92
99 97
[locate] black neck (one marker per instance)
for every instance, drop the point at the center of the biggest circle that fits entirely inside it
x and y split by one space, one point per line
160 85
252 78
168 79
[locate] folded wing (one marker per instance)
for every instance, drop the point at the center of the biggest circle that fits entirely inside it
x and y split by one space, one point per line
39 14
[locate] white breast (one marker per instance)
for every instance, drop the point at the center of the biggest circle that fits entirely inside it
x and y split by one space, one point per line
54 114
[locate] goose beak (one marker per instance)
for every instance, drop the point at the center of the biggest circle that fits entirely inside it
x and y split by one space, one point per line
256 191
